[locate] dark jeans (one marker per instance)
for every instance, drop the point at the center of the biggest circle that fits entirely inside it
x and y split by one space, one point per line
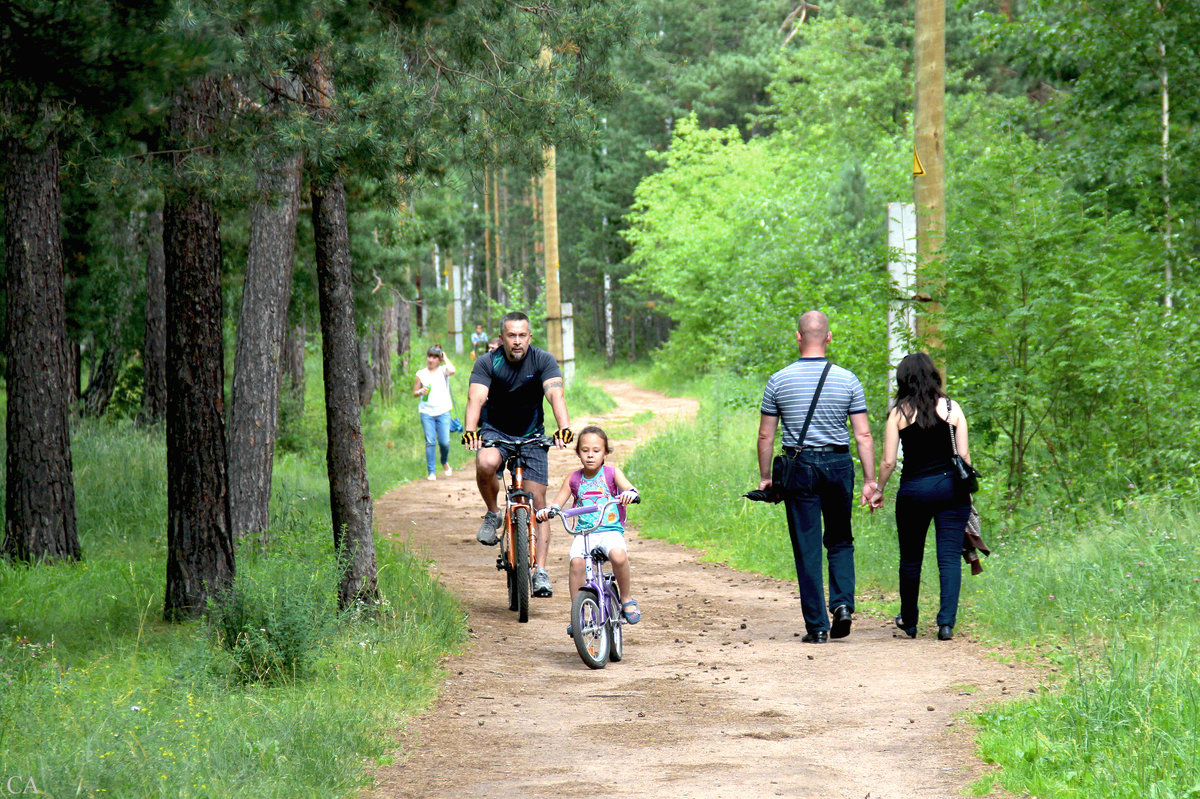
919 500
822 485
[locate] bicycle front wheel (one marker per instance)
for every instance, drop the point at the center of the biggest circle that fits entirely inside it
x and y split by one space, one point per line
616 650
520 573
592 637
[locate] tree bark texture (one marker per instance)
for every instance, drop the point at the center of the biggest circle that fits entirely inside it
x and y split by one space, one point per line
200 559
382 357
254 406
349 492
403 332
154 346
39 510
293 363
366 374
103 380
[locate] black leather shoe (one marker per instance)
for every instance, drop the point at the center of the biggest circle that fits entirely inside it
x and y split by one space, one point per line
818 637
945 632
841 622
911 632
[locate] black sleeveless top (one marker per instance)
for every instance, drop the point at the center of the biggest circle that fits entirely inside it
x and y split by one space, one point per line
926 449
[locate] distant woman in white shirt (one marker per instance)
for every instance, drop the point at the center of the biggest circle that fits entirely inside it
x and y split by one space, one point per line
432 385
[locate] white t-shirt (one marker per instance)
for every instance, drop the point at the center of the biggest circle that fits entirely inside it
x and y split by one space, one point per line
437 401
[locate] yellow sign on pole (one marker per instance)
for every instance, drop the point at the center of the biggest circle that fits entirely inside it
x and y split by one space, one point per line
918 167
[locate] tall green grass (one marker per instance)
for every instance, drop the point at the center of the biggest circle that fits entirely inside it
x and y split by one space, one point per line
1121 597
1113 600
100 697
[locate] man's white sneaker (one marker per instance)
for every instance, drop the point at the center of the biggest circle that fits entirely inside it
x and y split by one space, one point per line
431 476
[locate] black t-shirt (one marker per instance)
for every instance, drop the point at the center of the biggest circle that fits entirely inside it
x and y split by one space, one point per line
514 403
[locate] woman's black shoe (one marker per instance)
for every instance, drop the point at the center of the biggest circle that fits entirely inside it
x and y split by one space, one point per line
945 632
911 632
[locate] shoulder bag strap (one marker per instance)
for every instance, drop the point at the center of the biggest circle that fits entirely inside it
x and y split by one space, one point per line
953 440
813 406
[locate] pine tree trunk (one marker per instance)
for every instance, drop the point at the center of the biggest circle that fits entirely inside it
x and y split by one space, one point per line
382 356
39 509
262 323
199 542
366 375
74 371
403 332
293 363
103 380
112 359
154 347
349 492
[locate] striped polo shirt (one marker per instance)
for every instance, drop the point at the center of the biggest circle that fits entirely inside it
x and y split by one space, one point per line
789 392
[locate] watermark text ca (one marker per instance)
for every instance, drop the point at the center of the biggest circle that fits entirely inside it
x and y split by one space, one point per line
16 785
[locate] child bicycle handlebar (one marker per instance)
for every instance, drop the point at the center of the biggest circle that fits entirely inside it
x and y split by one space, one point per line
580 510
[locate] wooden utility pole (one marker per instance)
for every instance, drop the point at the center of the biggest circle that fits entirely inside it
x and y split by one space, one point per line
929 176
487 238
554 340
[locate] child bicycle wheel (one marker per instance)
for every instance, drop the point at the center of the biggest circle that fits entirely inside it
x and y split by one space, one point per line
616 638
592 637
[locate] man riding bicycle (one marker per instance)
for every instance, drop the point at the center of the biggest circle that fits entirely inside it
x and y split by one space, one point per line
504 400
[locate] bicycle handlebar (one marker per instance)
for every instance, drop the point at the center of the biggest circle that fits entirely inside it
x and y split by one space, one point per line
580 510
542 441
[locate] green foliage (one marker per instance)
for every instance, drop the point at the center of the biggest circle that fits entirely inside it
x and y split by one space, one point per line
1046 297
720 233
274 617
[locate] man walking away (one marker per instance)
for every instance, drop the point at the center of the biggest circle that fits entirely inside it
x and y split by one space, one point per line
813 399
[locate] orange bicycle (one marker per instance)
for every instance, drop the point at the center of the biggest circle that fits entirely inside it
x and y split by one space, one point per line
516 538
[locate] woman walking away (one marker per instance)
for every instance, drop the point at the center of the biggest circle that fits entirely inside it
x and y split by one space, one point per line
432 385
921 418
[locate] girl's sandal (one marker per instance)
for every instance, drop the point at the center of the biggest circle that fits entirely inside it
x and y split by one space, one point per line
631 615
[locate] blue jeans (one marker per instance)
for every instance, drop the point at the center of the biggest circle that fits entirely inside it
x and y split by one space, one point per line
437 431
920 500
821 487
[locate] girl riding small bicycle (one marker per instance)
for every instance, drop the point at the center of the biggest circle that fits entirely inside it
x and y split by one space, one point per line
593 484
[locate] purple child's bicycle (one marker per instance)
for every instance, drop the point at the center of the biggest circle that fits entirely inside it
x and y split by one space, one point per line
596 607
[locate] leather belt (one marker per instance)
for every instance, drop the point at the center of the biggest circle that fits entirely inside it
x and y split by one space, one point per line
824 448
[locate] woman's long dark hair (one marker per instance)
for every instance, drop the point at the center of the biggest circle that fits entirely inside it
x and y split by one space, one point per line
918 389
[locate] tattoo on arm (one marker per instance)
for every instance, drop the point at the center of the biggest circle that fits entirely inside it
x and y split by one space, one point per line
554 382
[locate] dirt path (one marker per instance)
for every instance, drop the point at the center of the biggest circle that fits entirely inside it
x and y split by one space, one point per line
716 696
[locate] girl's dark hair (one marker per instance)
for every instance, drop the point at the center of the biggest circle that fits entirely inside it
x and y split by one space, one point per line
918 389
593 430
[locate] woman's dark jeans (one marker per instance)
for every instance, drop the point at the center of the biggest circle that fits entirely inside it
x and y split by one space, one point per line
919 500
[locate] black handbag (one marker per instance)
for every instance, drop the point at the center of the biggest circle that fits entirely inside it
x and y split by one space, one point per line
966 478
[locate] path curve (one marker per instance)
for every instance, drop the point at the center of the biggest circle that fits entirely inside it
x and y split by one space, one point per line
716 696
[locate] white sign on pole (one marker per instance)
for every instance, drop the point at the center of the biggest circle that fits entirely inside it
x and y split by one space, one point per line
902 260
568 341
